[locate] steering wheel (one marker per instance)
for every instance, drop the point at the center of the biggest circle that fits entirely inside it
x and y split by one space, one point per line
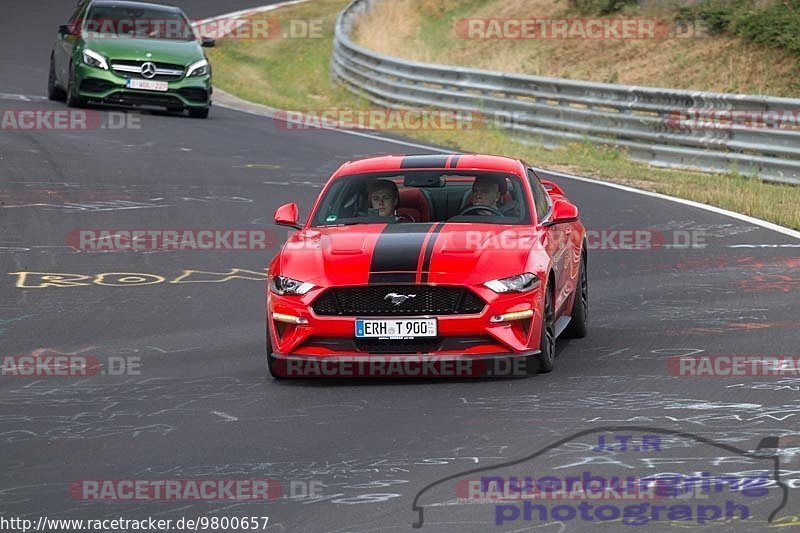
408 218
492 210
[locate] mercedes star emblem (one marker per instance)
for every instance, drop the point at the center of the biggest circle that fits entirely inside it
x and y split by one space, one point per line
149 70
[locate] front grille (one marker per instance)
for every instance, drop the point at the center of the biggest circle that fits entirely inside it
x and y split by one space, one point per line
370 300
132 69
143 98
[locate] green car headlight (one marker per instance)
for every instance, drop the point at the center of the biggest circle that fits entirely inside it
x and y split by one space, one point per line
199 68
93 59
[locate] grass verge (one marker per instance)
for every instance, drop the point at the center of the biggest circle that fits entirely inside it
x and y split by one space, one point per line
295 74
695 57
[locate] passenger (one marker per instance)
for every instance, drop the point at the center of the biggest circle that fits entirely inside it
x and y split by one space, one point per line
383 196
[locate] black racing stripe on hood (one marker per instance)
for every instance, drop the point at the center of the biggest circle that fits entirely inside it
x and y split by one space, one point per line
396 253
392 277
424 161
426 261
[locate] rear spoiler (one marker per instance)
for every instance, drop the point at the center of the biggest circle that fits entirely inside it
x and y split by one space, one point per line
552 188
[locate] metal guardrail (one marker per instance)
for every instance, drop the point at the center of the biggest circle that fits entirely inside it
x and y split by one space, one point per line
646 121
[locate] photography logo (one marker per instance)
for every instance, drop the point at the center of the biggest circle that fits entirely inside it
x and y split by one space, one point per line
630 475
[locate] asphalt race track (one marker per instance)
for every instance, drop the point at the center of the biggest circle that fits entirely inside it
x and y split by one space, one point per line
201 405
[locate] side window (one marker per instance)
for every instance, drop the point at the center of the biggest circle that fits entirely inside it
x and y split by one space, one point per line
540 196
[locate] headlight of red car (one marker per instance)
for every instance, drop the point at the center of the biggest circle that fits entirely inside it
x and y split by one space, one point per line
282 285
520 283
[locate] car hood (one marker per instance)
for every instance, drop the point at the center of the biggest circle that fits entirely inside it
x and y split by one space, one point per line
407 253
160 50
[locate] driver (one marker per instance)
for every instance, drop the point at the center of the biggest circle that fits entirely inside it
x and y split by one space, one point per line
383 196
487 191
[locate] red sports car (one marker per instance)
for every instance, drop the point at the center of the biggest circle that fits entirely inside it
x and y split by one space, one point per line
462 260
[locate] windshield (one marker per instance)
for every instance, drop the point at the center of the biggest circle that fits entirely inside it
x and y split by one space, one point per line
423 196
138 23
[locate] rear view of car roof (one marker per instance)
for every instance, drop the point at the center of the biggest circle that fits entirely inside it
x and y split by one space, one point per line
432 161
126 3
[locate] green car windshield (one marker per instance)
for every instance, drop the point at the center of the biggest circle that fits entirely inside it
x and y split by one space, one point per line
138 23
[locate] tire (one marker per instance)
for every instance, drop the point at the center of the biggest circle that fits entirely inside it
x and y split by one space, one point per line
579 325
271 359
53 92
73 100
198 113
547 338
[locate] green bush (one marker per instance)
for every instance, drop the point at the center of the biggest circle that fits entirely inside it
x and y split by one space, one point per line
601 7
775 24
717 15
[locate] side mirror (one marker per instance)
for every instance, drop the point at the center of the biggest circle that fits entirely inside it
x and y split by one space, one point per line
563 212
552 188
207 42
287 215
65 29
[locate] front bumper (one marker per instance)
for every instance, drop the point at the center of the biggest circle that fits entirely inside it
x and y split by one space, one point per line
405 366
465 337
106 87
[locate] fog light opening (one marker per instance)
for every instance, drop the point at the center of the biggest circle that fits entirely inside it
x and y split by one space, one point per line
289 319
510 317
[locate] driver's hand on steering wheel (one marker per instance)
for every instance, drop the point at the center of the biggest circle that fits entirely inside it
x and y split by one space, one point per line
482 210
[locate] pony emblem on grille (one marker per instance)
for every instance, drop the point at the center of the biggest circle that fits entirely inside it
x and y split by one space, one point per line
397 299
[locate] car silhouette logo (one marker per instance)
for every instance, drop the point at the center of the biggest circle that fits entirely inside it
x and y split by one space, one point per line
397 299
148 70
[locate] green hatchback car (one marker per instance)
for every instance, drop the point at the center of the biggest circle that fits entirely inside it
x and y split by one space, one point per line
133 54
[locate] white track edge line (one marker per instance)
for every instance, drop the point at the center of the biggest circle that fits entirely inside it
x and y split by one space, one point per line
718 210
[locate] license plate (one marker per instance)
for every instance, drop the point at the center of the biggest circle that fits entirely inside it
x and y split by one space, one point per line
147 85
395 328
